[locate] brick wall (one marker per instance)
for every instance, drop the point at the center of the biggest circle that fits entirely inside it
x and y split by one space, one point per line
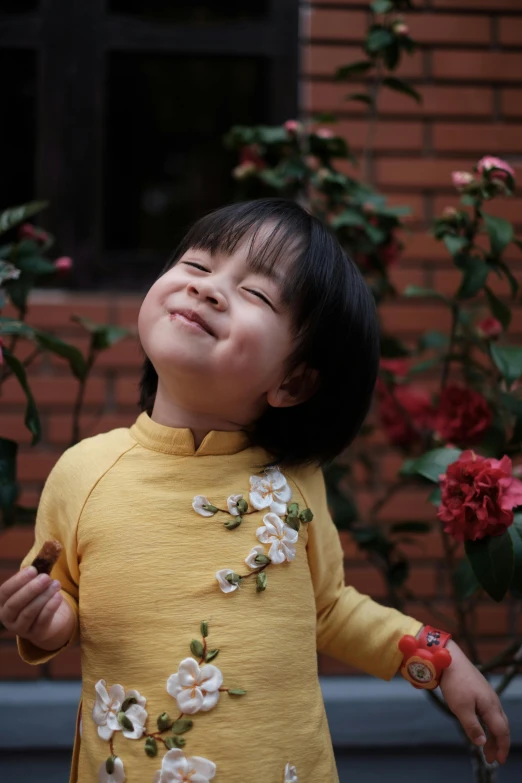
470 74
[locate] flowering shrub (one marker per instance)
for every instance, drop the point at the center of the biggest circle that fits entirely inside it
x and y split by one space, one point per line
22 265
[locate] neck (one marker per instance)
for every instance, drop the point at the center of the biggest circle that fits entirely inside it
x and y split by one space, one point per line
177 414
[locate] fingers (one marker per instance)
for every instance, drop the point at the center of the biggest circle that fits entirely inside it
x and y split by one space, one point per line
498 743
43 619
16 583
23 606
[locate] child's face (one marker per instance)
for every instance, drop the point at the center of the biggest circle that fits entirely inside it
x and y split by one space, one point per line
233 365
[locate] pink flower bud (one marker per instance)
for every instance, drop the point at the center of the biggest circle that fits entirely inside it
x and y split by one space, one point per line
244 170
27 231
461 179
63 264
324 133
293 126
399 28
449 213
489 327
498 167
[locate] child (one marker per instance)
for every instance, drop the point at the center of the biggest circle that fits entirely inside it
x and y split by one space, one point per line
192 569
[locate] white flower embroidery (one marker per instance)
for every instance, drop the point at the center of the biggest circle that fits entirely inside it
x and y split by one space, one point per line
221 576
118 776
195 688
290 774
232 502
177 768
280 536
108 705
250 560
198 503
271 491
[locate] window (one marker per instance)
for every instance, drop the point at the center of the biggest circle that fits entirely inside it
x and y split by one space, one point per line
119 111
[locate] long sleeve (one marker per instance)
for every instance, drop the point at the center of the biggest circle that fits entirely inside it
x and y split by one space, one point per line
55 520
350 627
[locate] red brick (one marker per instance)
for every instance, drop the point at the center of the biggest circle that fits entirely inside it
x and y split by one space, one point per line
459 101
427 28
367 580
59 426
67 665
416 203
511 102
492 620
13 668
440 614
401 277
508 208
450 137
477 65
419 172
408 317
510 30
12 426
51 311
388 135
325 60
337 25
54 391
30 496
479 5
350 548
422 581
15 543
424 546
407 505
124 355
423 245
490 649
127 309
127 391
36 465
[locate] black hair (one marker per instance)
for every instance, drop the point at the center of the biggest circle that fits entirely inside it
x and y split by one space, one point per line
335 322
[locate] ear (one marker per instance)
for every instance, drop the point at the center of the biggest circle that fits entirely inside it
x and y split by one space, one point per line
296 388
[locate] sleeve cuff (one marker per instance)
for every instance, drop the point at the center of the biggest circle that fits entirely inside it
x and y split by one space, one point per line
33 655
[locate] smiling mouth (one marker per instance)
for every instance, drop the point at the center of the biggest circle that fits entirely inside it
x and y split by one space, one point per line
191 319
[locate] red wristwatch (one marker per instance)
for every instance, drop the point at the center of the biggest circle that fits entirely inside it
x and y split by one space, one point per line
425 657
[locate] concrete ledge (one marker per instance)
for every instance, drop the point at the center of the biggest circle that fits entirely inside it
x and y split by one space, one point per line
362 712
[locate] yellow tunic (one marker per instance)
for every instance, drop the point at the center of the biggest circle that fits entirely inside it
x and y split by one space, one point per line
139 569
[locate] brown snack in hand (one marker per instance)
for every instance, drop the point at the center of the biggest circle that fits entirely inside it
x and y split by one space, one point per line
47 557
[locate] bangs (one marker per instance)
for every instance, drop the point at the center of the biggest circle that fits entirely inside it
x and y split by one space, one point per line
275 231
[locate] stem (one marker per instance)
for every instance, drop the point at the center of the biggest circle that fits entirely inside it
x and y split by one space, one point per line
257 571
75 436
511 672
410 596
461 612
30 359
483 772
450 356
499 659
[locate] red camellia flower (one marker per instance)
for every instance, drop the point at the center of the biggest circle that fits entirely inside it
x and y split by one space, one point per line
63 264
478 497
417 404
498 167
390 253
398 367
28 231
463 415
489 327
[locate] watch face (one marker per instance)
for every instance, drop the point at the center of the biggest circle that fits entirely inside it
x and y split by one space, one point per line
420 672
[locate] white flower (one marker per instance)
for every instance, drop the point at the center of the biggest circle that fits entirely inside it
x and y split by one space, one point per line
290 774
117 776
250 560
226 586
107 706
271 491
195 688
232 502
280 536
198 503
177 768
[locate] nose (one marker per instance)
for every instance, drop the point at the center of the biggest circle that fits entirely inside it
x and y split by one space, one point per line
206 291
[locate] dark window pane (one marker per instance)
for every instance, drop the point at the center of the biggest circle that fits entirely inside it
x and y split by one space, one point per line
18 6
18 127
202 11
165 164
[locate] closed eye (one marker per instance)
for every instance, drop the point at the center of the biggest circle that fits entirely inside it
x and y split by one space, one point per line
260 295
197 266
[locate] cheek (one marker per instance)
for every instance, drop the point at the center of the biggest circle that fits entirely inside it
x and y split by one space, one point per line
261 345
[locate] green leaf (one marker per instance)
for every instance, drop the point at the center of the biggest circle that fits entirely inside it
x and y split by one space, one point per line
473 279
325 116
500 232
513 282
75 358
16 327
382 6
454 244
432 464
516 540
403 87
35 265
392 347
363 97
32 418
392 53
432 339
350 217
492 561
397 573
8 484
465 580
508 359
425 365
102 335
499 309
353 69
411 527
428 293
15 215
435 497
378 39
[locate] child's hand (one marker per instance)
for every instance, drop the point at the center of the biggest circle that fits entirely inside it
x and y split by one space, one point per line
468 695
32 607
